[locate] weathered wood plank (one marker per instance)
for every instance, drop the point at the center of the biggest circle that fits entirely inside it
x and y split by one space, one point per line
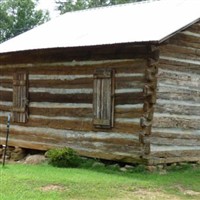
128 112
172 50
182 93
176 153
181 65
78 111
62 111
176 133
195 28
77 67
78 124
172 141
128 51
129 82
54 136
6 83
5 108
60 81
177 107
163 160
176 121
179 78
132 157
176 41
189 38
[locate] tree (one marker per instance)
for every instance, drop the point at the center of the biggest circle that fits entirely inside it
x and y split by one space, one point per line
18 16
72 5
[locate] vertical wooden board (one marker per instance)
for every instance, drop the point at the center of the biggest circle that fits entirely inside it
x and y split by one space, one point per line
20 94
107 100
102 101
97 98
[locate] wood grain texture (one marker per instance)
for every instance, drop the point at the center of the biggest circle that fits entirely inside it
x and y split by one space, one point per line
176 126
46 102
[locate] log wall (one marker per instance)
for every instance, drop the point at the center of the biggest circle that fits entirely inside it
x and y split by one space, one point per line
176 126
61 108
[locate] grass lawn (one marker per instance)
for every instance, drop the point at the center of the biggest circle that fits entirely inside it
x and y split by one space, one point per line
43 182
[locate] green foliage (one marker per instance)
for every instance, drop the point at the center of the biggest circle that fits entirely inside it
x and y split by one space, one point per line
18 16
71 5
63 157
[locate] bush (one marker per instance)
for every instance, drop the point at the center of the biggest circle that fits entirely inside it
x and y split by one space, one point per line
63 157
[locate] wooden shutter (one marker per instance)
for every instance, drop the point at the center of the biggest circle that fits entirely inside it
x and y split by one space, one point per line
20 97
103 100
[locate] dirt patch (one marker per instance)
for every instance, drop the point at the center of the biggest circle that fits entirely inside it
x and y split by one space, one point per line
150 194
48 188
153 195
187 192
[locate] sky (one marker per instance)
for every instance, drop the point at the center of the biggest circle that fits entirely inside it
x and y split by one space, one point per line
48 5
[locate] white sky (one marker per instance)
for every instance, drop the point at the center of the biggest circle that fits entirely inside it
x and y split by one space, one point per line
48 5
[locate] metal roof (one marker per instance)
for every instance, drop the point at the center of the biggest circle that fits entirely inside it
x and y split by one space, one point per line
151 21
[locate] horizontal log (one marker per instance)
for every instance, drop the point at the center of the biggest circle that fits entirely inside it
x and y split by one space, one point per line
129 82
176 153
83 112
171 92
177 97
188 37
5 108
160 160
177 107
7 83
71 136
128 51
76 110
133 157
172 141
77 67
177 41
175 133
121 157
195 28
78 124
171 50
62 111
59 133
60 82
129 113
179 78
176 121
181 65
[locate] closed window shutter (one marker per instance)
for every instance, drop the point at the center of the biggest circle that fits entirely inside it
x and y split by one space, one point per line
20 97
103 100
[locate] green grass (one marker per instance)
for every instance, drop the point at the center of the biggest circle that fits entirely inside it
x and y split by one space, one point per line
43 182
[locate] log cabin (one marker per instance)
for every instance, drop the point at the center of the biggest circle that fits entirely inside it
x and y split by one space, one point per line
118 83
